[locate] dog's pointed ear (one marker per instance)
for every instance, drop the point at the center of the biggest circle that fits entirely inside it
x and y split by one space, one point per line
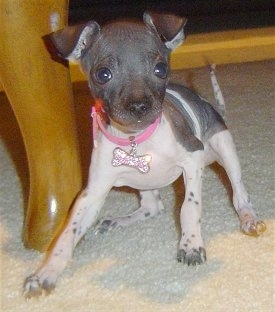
72 42
168 26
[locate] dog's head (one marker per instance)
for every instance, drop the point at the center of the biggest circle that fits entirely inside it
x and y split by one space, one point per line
126 64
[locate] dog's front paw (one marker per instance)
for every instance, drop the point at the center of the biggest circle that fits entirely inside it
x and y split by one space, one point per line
35 287
253 227
193 256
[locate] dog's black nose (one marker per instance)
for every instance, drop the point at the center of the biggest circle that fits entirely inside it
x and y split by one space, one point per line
138 109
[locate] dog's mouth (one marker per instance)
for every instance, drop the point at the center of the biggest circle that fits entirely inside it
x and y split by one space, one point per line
133 116
132 122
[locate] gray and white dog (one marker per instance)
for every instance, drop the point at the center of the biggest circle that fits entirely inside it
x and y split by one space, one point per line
147 133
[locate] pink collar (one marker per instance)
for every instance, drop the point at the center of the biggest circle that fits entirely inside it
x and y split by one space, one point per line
97 123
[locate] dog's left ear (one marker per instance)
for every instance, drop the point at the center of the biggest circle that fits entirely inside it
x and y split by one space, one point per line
168 26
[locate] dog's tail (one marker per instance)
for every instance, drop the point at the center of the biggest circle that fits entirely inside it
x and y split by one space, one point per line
220 104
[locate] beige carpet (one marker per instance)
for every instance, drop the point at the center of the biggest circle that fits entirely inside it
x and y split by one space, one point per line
136 269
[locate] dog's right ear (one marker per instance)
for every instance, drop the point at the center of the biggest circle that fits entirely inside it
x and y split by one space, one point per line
72 42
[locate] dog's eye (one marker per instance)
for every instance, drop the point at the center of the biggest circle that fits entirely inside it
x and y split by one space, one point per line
103 75
161 70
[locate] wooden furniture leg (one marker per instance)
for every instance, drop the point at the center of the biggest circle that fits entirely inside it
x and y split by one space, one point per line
39 91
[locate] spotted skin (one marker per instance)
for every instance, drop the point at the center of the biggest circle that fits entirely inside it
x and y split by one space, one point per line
191 135
191 250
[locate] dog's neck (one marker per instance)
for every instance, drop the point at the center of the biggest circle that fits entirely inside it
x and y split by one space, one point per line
117 137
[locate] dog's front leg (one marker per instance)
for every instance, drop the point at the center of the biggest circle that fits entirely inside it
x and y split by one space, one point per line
191 250
84 213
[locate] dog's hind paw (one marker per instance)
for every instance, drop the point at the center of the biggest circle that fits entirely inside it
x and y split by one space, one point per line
253 227
33 287
105 225
192 257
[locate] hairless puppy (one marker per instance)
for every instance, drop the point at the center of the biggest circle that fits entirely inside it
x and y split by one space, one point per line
147 132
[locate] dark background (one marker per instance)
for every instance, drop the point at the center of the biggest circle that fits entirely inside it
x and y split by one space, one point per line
203 15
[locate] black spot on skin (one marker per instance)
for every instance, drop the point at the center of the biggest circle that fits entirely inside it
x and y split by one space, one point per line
185 245
191 194
188 240
74 222
196 202
56 255
74 230
147 214
189 199
183 233
193 235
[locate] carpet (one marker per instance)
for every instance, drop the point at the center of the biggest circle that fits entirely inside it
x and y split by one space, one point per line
135 269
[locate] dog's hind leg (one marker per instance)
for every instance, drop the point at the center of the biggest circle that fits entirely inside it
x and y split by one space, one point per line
223 148
191 249
150 206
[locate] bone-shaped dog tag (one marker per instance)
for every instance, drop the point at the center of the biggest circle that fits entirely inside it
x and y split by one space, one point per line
141 163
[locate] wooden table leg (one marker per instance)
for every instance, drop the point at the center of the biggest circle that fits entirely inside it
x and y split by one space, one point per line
39 91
